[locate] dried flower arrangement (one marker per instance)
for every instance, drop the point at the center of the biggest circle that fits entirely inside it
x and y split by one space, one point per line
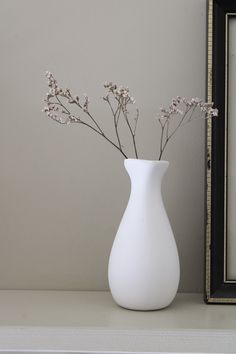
180 112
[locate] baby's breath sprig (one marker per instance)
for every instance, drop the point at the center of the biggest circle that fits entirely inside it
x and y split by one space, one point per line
122 99
180 112
58 103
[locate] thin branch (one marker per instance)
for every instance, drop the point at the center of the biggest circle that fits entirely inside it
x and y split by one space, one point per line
179 124
169 135
136 121
90 116
100 132
162 146
161 141
62 105
130 129
115 120
105 137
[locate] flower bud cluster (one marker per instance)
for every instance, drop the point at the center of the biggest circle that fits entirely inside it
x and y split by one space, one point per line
187 105
54 108
58 102
120 93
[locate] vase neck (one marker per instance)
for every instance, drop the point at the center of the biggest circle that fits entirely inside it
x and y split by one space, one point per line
143 172
146 180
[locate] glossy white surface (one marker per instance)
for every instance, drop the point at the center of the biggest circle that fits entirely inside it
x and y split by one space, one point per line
92 322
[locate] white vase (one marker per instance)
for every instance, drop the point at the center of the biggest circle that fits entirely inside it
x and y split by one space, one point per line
144 270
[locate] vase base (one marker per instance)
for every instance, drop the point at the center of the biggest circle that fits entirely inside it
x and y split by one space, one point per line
143 308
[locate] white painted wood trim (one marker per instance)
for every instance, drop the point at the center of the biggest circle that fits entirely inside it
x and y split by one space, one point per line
80 340
90 322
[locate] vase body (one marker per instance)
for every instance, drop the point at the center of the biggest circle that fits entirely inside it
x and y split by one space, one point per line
144 269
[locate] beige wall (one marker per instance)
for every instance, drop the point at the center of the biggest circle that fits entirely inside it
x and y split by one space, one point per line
63 190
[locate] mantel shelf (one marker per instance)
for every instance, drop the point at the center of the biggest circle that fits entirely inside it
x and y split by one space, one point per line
71 321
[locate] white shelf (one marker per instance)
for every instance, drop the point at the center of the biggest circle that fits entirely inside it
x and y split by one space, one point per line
65 321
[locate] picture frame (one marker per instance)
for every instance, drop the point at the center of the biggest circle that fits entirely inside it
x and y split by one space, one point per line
220 267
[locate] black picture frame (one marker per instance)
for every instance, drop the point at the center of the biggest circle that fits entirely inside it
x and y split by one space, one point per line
218 289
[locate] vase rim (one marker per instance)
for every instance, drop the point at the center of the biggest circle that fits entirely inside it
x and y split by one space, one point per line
149 161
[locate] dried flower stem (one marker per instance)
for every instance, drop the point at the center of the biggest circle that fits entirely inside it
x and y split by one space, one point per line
168 136
122 99
105 137
59 112
98 130
116 116
165 117
118 99
132 132
91 117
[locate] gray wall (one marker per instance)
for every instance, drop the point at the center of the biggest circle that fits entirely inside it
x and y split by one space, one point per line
63 190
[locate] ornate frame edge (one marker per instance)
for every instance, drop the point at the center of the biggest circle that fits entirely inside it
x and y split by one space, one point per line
208 231
209 153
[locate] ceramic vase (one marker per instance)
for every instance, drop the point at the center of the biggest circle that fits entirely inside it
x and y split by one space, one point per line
144 269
